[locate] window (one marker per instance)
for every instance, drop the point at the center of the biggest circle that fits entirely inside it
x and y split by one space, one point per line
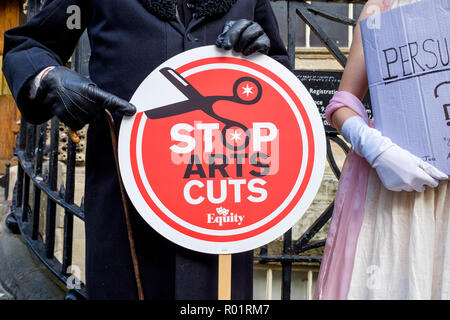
340 33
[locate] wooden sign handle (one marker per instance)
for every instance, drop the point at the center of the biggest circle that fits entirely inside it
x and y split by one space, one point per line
224 277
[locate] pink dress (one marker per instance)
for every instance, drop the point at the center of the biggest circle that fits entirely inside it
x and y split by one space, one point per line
383 244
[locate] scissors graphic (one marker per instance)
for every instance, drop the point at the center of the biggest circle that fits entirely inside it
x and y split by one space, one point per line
251 93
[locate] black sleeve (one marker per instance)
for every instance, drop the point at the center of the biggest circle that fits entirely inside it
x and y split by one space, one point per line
265 16
48 39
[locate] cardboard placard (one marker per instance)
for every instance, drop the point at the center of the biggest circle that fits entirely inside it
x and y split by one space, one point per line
407 55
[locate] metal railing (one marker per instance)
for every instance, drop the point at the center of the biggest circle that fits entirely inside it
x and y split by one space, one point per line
31 147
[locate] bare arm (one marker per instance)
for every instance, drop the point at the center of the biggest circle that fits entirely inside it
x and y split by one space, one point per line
354 79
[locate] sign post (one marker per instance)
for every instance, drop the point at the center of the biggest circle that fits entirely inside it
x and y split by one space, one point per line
224 277
224 154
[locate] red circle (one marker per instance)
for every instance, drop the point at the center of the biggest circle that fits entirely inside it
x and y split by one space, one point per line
247 91
272 222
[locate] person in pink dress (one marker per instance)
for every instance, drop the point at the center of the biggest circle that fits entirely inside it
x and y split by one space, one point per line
389 237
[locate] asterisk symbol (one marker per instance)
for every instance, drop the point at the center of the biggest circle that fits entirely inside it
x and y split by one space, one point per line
247 90
235 136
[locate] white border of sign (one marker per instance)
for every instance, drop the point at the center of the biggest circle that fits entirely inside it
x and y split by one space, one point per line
148 96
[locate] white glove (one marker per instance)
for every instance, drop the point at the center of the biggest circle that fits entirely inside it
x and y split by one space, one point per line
398 169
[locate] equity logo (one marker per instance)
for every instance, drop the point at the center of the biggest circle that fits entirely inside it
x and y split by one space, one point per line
224 216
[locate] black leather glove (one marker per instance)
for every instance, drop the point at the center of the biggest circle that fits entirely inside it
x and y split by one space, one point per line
76 100
243 36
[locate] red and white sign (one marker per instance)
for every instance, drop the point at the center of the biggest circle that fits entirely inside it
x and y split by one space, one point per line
225 153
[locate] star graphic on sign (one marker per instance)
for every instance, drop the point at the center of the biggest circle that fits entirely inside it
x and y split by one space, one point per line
235 136
247 90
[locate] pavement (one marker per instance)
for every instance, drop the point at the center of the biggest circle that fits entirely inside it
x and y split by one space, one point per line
22 275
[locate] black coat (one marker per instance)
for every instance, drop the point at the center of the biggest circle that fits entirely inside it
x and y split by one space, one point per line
129 39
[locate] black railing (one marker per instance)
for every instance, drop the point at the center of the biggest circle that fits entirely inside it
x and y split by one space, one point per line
32 147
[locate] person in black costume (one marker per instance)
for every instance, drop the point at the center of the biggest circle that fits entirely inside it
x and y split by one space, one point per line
128 40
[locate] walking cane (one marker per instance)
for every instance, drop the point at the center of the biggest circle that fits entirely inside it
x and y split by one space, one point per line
75 138
224 276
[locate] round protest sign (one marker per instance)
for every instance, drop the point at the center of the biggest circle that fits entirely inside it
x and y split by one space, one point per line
225 153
